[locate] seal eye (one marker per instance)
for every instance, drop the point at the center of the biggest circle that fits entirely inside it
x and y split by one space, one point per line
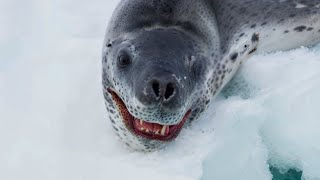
124 59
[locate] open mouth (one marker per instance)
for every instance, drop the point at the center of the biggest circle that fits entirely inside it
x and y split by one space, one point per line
151 131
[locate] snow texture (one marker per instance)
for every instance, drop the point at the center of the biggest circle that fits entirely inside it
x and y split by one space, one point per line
53 123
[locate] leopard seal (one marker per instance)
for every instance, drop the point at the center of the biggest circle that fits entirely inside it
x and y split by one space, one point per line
165 60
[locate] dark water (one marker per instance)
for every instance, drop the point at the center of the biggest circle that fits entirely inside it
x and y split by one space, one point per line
290 175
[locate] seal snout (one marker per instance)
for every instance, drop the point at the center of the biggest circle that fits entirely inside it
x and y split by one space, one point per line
161 90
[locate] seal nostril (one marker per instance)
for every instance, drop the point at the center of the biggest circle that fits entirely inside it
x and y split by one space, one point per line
169 91
156 88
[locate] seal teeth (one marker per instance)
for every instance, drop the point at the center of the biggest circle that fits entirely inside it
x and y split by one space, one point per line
141 122
163 130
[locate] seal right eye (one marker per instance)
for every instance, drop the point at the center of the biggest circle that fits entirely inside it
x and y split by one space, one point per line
124 59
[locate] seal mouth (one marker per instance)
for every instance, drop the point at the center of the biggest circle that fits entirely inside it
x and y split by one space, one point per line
152 131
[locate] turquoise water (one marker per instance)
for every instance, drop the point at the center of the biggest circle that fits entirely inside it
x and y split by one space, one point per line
292 174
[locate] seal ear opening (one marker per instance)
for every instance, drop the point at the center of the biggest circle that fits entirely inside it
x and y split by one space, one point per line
109 44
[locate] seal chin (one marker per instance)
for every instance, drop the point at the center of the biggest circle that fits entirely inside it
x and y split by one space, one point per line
141 128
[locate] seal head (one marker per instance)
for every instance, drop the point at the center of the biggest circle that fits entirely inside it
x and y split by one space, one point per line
158 63
152 78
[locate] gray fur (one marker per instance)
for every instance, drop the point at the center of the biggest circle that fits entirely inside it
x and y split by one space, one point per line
218 36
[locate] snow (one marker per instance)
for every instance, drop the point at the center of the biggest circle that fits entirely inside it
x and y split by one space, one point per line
272 119
53 123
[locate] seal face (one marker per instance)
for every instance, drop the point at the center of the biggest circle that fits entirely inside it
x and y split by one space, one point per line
152 81
163 61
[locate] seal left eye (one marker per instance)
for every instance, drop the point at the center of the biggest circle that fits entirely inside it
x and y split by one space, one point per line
124 60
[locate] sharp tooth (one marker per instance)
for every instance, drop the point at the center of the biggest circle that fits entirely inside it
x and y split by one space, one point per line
142 129
163 130
147 130
157 132
141 122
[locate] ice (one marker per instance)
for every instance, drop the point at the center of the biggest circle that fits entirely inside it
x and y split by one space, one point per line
53 123
272 119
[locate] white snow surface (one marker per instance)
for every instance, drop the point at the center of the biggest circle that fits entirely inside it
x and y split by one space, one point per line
53 123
